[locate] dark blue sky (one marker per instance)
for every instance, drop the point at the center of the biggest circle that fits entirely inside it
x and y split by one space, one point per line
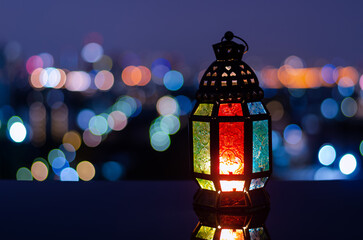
274 29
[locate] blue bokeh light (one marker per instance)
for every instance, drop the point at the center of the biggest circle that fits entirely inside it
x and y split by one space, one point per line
69 174
112 171
292 134
326 154
83 118
185 105
329 108
173 80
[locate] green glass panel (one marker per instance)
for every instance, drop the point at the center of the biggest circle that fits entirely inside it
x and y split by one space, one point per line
201 147
204 109
206 184
260 147
206 233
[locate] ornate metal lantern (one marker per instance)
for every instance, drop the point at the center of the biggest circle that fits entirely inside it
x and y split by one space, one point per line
230 131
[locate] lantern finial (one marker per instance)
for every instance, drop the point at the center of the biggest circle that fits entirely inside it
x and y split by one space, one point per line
228 36
228 50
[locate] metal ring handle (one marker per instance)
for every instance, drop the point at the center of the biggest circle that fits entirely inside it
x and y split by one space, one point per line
228 36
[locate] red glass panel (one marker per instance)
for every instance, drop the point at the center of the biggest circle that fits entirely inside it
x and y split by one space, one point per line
231 148
230 109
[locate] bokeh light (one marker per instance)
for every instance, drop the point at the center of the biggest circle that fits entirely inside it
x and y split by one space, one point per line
361 147
53 154
347 164
160 141
69 151
133 75
69 174
327 72
117 120
346 87
24 174
167 105
292 134
276 140
90 139
78 81
326 154
276 110
73 138
13 120
33 63
39 171
104 80
112 170
127 105
170 124
83 118
17 132
92 52
59 164
86 171
104 63
329 108
349 107
98 125
173 80
185 104
47 59
160 67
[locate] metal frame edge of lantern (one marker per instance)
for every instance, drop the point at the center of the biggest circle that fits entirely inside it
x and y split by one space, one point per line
230 134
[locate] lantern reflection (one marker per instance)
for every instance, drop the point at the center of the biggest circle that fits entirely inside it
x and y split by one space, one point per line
214 225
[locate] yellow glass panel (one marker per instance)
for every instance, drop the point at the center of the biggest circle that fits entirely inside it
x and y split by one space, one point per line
231 186
206 184
201 147
204 109
232 234
206 233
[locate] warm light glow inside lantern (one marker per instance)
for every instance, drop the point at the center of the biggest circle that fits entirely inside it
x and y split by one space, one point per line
230 132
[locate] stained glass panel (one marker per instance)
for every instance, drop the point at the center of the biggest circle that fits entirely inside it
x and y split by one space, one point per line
206 184
260 146
232 234
206 233
204 109
230 186
230 109
256 108
231 148
257 234
258 183
201 147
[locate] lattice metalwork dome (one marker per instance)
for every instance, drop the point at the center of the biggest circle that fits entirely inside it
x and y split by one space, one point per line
229 79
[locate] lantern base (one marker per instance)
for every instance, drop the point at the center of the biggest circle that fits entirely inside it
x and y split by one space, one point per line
254 200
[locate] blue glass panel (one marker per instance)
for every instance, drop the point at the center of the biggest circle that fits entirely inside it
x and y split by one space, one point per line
258 183
256 108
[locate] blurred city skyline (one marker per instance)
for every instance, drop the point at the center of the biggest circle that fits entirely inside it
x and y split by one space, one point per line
312 30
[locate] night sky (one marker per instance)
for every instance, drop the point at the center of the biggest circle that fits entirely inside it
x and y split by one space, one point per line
274 29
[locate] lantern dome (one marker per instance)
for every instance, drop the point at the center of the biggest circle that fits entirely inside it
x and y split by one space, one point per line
229 79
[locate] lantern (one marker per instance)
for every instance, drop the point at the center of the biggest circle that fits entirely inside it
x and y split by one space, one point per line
231 226
230 131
